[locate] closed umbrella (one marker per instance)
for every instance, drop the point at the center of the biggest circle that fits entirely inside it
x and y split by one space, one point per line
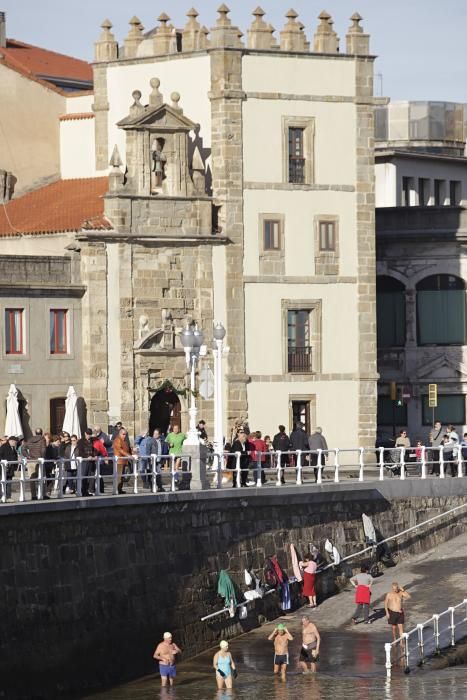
71 420
13 423
368 528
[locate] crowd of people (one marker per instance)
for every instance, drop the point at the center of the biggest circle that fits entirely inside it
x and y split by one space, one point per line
50 451
446 438
256 452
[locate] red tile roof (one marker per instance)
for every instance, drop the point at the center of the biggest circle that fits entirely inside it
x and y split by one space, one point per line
65 205
76 115
42 63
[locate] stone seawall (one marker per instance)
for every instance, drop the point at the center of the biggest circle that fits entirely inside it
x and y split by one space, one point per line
89 586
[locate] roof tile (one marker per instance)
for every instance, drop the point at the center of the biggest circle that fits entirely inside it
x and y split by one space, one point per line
65 205
42 63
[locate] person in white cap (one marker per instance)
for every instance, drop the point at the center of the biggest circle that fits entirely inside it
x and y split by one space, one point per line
224 666
165 653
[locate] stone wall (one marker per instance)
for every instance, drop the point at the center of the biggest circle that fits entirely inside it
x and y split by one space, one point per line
92 585
35 269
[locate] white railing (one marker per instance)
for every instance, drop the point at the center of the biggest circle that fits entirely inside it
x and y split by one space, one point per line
427 638
364 464
43 478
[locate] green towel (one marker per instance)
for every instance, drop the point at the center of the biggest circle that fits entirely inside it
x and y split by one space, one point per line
225 588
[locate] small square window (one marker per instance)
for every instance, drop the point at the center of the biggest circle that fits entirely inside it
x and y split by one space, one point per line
58 331
271 230
14 331
327 236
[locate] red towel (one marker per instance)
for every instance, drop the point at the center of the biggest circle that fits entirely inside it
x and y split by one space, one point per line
363 595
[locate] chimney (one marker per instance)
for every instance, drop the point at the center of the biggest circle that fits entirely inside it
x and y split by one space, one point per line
2 30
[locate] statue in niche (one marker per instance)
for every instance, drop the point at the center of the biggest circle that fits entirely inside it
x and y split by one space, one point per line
159 161
143 327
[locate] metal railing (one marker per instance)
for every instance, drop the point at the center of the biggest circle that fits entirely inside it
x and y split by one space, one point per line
355 555
364 464
43 478
299 359
427 638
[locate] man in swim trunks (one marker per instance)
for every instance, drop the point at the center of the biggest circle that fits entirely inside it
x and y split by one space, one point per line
394 609
281 637
165 654
309 653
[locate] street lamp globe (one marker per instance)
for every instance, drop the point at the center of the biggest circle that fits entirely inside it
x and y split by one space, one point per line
187 338
198 337
219 332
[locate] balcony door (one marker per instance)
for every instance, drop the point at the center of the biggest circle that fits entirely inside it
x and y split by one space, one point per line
299 340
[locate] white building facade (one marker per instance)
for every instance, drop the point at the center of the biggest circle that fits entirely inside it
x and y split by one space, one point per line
242 190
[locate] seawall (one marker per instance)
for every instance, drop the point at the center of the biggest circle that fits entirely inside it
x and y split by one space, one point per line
89 585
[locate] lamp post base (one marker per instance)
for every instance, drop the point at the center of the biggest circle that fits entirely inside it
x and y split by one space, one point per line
198 454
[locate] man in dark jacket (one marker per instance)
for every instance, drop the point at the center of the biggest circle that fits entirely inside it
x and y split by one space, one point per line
8 453
282 442
316 442
85 449
34 449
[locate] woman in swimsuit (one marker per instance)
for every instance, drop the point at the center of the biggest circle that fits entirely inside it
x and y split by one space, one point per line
224 666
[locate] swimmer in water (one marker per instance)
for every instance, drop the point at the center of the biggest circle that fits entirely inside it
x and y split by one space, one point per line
281 638
224 666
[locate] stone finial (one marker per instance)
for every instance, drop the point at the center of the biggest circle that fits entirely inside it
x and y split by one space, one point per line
205 40
175 99
106 48
259 34
136 108
198 173
193 37
115 175
165 37
115 159
156 98
358 43
325 39
133 38
224 34
293 38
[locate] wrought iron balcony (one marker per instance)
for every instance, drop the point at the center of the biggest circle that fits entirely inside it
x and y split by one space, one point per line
299 359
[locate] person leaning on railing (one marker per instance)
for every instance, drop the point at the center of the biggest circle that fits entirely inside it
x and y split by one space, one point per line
9 453
85 450
120 449
34 449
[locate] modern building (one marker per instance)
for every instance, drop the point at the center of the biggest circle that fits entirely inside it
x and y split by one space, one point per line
421 229
241 189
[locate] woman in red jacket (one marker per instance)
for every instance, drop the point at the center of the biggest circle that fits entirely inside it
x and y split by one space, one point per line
362 582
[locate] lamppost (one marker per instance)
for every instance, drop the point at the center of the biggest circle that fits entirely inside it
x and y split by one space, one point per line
218 335
192 340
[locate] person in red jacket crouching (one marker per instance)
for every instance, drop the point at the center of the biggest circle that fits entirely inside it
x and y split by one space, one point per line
362 582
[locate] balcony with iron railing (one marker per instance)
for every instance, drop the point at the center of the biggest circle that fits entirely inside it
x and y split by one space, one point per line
299 359
297 170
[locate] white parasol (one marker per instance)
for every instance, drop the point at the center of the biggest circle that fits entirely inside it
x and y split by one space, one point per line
71 420
368 528
13 423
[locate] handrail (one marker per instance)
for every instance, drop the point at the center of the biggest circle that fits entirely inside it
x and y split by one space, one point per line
437 638
355 554
393 537
286 466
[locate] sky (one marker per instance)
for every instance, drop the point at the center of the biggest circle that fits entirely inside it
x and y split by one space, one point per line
420 44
